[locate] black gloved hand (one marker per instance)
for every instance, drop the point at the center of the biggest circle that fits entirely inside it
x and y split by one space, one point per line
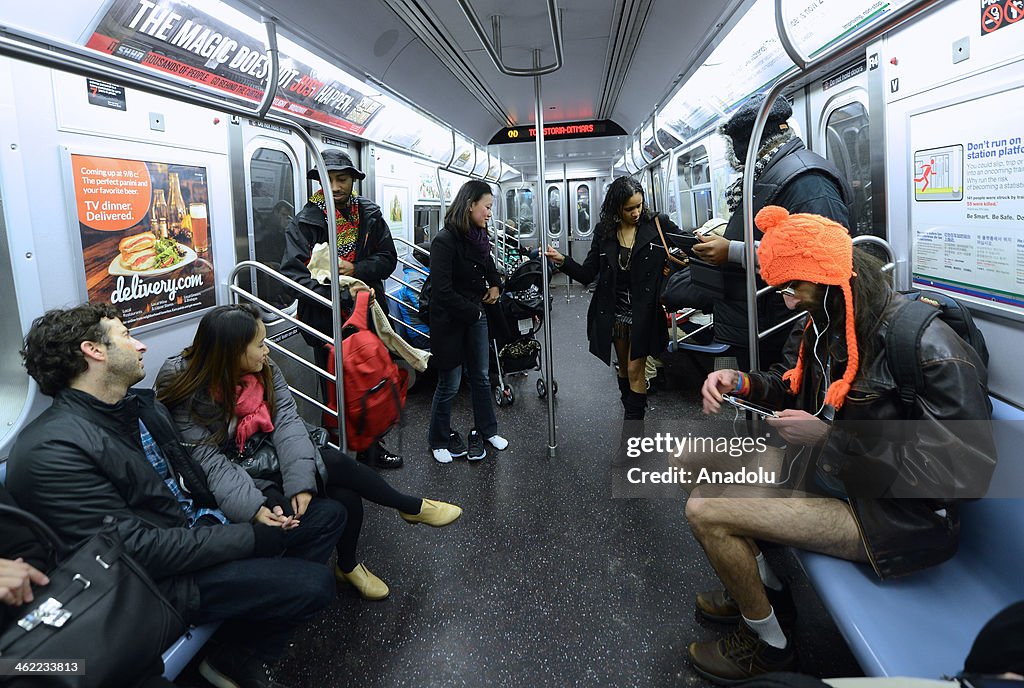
269 540
274 497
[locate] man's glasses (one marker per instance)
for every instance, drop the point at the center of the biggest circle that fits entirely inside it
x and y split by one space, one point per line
788 290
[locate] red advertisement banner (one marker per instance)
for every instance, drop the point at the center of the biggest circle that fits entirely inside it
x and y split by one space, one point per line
176 38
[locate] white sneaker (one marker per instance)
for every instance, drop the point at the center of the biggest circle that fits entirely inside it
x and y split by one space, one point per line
442 455
498 442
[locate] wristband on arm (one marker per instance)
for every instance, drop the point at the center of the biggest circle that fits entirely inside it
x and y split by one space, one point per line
742 385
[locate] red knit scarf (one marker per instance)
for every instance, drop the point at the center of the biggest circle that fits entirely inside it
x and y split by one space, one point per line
347 225
251 409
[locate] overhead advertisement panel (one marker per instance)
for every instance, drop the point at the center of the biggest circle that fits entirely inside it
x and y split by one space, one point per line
751 57
179 39
967 210
815 25
747 61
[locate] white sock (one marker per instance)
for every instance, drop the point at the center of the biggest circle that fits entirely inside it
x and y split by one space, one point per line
768 576
769 630
498 442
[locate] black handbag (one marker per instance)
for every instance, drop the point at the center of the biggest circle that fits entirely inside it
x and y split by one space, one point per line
259 457
100 610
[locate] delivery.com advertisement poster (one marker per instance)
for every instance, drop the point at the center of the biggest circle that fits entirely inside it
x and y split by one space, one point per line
145 235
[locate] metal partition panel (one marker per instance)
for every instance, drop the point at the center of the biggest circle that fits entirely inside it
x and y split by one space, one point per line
14 391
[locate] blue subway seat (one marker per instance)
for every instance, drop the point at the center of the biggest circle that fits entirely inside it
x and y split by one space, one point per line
185 648
923 625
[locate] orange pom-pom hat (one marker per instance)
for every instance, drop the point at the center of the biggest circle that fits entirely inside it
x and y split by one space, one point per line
810 248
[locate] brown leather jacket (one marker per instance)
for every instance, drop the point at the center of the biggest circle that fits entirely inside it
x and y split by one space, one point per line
903 469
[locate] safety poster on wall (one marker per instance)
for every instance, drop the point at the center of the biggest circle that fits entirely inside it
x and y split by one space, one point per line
967 205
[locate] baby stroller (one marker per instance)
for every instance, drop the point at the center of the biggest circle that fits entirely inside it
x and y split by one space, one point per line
513 323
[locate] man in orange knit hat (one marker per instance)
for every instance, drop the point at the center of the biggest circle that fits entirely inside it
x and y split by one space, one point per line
880 483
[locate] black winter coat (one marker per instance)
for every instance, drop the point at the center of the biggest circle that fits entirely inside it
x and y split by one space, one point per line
820 190
459 278
82 460
376 259
649 333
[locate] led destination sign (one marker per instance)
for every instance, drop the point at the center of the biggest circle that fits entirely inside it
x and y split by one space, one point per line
559 130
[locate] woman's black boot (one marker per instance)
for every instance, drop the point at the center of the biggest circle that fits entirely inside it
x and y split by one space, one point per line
635 404
623 389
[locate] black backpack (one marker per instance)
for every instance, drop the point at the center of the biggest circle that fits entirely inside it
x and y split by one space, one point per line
425 302
903 338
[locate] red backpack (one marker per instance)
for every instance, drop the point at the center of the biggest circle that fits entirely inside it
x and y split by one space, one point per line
374 386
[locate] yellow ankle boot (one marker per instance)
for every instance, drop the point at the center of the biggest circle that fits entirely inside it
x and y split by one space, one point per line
362 579
433 513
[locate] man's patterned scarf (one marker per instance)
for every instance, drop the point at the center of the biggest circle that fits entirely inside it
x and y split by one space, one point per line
734 193
347 225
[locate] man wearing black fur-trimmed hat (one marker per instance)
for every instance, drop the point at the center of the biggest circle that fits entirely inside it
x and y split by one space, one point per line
786 174
366 251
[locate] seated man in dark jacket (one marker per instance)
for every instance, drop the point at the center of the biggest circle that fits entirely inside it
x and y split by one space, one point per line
103 450
365 248
882 479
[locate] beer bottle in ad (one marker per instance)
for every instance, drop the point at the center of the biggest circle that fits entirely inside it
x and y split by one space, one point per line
158 215
177 224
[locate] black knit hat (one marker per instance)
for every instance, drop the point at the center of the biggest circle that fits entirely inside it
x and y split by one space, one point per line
423 258
999 646
741 124
336 161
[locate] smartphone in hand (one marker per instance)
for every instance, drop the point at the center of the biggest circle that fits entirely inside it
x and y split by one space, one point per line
739 403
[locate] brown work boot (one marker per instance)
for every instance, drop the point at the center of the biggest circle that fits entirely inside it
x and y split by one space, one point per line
718 605
739 656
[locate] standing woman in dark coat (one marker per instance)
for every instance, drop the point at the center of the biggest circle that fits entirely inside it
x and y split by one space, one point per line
628 260
463 278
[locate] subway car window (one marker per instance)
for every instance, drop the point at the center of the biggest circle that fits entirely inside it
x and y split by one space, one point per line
583 209
519 211
554 210
694 176
273 206
847 145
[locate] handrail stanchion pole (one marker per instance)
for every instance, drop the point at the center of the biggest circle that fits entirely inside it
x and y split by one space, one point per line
544 229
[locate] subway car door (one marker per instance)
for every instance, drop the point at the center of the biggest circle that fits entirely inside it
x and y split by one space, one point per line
839 121
582 213
267 193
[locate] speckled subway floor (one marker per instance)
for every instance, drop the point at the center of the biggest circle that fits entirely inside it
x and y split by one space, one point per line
545 580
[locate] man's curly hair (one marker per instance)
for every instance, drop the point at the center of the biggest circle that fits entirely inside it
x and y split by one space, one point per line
52 353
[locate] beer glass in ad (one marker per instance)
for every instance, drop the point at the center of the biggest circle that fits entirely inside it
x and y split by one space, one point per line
200 231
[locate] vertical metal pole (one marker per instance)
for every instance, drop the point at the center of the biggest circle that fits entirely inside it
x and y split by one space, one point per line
566 212
336 322
546 326
748 223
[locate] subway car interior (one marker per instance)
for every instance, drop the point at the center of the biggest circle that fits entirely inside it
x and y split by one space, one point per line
201 123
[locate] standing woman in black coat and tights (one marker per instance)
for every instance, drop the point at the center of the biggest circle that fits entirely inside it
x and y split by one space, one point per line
463 278
628 260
